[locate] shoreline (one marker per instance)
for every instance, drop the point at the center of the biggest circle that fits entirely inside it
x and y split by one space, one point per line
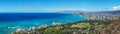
14 27
84 24
55 25
61 26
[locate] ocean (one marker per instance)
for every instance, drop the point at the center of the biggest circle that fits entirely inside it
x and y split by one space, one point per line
10 21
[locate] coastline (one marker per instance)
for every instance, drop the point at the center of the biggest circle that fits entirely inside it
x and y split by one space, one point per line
23 24
85 24
69 26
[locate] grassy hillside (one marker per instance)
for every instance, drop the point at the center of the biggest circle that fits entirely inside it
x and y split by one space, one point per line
81 27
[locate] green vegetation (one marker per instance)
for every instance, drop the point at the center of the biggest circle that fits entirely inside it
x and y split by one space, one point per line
80 27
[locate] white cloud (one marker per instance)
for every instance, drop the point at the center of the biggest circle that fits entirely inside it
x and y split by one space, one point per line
64 9
115 8
42 10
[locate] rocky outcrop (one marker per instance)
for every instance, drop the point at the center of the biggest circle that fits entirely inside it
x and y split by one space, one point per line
113 28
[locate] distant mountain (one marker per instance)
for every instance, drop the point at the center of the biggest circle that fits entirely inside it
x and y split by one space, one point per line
73 12
111 12
97 12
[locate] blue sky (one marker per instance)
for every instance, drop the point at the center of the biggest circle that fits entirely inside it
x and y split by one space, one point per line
56 5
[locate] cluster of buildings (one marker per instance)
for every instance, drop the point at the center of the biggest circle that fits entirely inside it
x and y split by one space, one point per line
100 16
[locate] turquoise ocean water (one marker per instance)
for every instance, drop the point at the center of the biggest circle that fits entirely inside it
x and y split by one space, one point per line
9 21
